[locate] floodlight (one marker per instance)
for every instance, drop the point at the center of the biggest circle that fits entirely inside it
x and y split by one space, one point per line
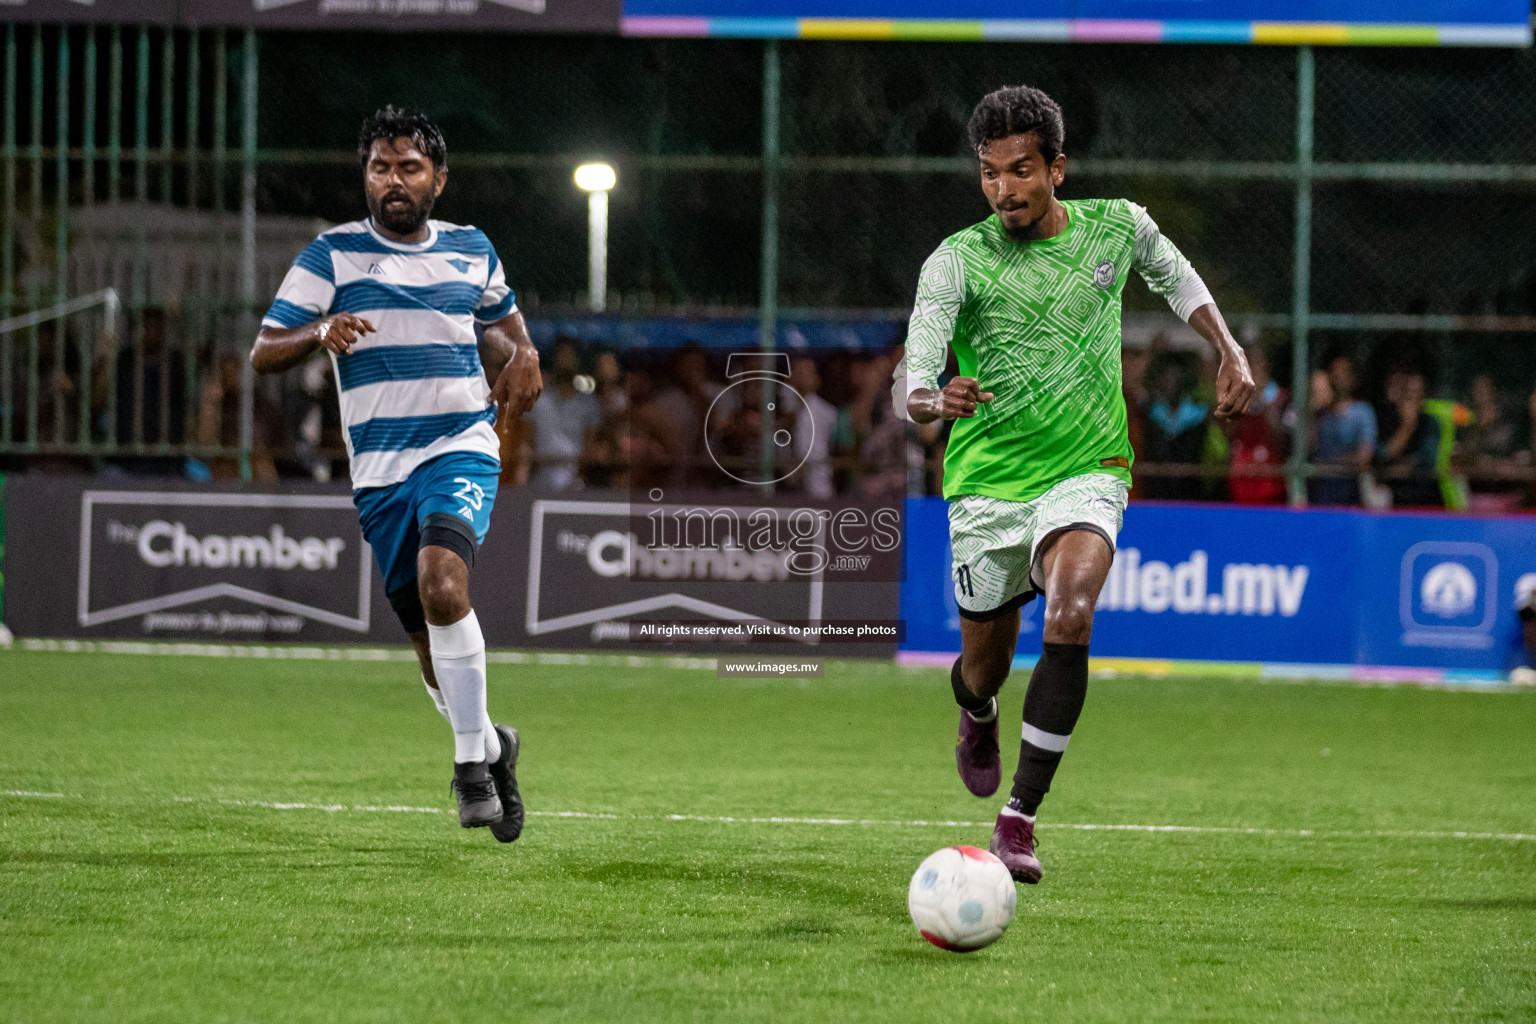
596 177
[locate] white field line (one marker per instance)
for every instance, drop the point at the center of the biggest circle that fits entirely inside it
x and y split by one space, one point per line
279 652
1210 829
284 652
276 805
31 793
721 819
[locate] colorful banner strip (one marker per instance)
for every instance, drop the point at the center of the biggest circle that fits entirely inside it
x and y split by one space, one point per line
1086 30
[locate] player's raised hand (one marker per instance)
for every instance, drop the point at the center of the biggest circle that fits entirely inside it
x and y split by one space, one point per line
337 333
1234 385
958 399
518 385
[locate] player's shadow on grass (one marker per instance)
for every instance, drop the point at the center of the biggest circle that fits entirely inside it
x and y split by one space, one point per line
260 860
920 952
1527 903
808 885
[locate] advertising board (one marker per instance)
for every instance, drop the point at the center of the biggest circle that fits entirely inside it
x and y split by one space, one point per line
1282 22
162 561
167 561
594 16
1224 583
1277 22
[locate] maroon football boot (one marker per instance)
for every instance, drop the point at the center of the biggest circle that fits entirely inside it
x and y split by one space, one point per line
1013 842
977 756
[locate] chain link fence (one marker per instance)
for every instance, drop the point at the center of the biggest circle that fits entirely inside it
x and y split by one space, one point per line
183 169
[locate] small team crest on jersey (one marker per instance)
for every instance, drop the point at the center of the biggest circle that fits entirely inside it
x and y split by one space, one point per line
1104 274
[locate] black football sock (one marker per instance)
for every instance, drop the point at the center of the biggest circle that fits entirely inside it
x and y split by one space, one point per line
980 707
1051 706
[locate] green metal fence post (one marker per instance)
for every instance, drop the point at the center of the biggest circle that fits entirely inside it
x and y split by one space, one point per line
220 168
167 114
768 285
140 232
61 227
1301 281
220 117
34 282
167 197
247 249
88 120
115 119
8 240
87 342
115 198
141 119
192 318
194 109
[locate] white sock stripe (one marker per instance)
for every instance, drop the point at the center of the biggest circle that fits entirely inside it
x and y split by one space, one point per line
1045 740
989 715
491 740
462 639
437 698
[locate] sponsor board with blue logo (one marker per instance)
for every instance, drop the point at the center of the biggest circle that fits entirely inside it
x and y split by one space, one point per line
1442 590
1271 585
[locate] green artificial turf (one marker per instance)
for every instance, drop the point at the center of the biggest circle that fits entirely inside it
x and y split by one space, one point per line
161 887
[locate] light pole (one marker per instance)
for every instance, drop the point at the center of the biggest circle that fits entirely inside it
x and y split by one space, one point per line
597 180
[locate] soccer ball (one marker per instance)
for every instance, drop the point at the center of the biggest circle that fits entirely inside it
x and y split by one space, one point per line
961 898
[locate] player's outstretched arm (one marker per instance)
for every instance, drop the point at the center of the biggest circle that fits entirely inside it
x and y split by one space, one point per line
1234 381
511 364
282 348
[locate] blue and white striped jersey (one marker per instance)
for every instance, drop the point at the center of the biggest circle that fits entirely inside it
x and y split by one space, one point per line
414 389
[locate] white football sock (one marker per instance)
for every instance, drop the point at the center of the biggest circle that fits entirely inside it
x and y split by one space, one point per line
1010 812
492 739
989 715
458 661
437 698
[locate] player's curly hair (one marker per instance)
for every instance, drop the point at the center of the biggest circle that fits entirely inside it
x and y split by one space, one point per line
1017 110
403 123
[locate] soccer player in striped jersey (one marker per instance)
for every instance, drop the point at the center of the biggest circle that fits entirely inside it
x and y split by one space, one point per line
394 300
1038 464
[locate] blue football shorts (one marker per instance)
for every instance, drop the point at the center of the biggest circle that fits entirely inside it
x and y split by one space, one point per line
458 486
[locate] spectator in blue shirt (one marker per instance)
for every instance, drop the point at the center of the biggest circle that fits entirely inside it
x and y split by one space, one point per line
1343 436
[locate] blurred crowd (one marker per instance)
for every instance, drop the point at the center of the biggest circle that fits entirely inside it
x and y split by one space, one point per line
163 407
674 418
686 418
1392 441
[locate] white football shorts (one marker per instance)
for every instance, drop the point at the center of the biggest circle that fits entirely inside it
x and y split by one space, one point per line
995 543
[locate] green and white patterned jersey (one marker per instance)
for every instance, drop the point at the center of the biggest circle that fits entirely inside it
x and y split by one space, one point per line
1038 324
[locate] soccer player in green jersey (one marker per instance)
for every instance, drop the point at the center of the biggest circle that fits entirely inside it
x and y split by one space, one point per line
1038 465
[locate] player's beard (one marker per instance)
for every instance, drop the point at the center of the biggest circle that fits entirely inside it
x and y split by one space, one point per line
1021 232
403 218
